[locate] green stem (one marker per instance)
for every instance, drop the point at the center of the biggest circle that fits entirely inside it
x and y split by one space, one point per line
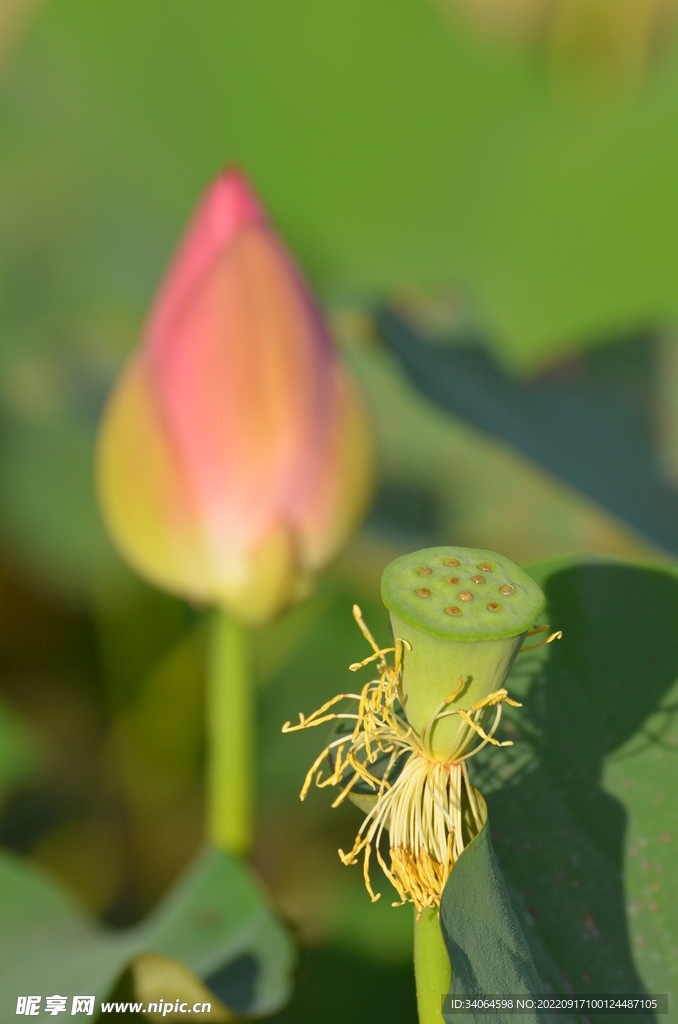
432 969
230 736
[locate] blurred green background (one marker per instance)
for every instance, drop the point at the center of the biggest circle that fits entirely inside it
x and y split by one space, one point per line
511 194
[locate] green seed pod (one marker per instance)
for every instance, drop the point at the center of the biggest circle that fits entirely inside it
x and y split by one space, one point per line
459 617
464 613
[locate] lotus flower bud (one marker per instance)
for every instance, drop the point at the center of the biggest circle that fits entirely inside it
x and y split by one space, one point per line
235 454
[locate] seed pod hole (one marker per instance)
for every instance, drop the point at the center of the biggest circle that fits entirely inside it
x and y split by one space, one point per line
507 589
494 607
465 587
453 610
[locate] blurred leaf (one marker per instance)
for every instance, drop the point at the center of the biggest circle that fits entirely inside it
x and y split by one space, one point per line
576 432
215 922
432 159
488 951
584 816
485 493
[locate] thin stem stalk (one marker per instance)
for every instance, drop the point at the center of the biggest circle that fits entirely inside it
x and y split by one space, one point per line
432 969
230 736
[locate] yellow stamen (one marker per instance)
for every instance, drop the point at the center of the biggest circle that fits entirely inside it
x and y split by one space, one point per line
358 616
422 809
558 635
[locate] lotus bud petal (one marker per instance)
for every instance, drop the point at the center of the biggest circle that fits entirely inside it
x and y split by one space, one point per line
235 455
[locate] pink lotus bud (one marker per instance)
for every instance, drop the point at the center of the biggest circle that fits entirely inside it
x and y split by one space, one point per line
235 455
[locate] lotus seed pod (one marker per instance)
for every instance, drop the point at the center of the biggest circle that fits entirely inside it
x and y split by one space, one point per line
455 641
464 629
